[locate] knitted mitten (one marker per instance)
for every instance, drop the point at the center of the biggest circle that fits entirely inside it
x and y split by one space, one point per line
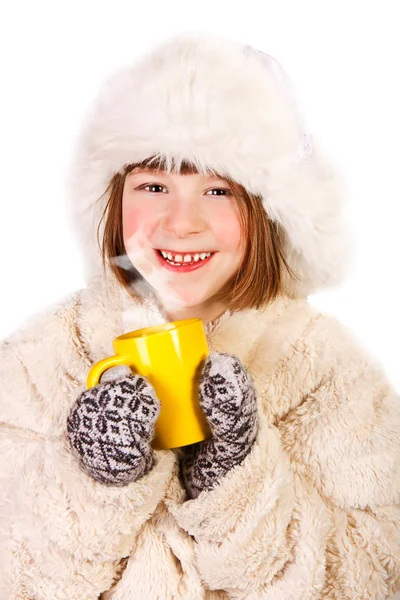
229 402
111 425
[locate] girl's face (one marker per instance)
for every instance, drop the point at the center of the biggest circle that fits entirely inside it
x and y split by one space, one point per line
185 217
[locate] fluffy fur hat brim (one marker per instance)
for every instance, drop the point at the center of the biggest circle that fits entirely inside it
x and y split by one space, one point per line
223 105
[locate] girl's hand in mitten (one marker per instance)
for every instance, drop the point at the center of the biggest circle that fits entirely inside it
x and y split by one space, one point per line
111 426
229 401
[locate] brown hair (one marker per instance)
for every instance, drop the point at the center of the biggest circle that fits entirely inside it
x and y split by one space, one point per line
258 280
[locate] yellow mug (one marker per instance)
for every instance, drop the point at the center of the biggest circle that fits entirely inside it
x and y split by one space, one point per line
170 357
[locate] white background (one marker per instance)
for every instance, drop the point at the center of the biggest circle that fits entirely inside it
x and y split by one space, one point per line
343 60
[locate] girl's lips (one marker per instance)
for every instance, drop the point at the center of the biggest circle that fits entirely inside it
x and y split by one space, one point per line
189 267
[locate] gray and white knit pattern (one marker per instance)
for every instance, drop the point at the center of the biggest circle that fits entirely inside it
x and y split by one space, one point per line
111 426
229 400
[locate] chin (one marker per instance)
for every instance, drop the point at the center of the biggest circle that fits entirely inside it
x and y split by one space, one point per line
182 299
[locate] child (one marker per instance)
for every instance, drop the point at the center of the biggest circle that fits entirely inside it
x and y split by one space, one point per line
207 198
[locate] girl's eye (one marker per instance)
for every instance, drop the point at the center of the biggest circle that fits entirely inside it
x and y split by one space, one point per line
214 190
153 185
226 192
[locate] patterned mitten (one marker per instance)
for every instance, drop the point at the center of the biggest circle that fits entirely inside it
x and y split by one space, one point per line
111 426
229 401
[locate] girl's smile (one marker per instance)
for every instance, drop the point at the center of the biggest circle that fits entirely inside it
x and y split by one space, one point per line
183 263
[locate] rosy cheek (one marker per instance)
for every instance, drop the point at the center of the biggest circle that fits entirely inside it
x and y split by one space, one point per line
228 230
135 219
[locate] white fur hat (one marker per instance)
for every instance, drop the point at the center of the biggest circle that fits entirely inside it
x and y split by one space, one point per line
223 105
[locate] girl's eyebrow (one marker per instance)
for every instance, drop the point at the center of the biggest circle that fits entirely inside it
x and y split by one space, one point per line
150 171
147 170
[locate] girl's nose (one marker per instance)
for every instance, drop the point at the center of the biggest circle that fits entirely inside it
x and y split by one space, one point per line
183 219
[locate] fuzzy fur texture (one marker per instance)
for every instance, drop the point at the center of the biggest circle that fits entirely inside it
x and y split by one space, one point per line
313 512
223 105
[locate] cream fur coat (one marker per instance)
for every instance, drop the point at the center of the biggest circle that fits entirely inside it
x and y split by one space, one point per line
313 511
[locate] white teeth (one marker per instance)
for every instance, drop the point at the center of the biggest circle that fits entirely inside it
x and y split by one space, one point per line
186 258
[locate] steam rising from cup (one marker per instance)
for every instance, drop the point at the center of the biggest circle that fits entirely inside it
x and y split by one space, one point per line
151 279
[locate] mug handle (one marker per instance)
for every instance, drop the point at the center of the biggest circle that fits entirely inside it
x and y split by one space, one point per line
98 369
